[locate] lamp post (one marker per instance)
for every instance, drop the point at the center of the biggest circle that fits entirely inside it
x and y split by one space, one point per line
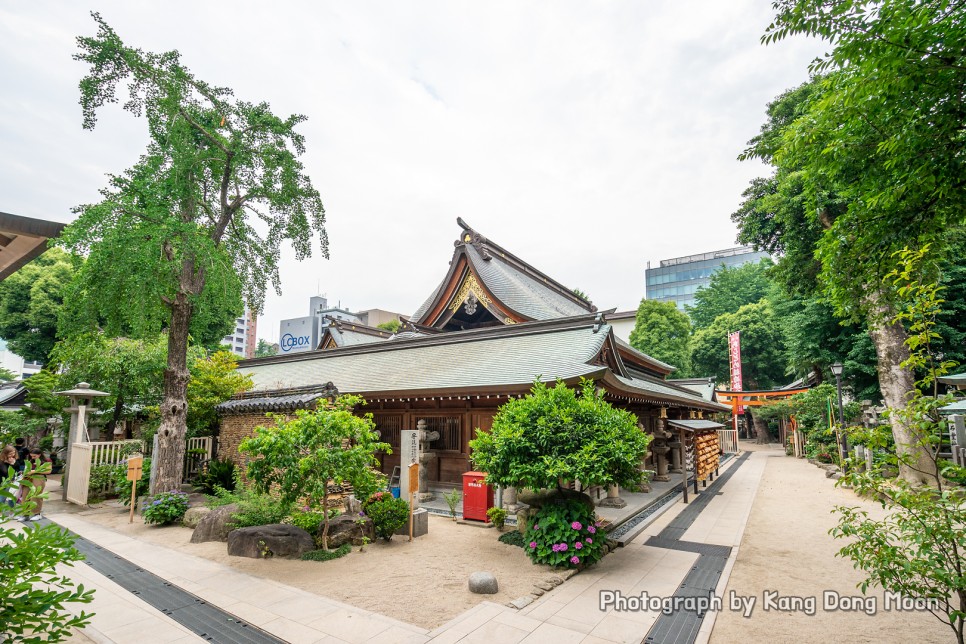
81 397
836 368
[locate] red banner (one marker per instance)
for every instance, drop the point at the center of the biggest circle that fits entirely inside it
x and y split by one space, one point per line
734 349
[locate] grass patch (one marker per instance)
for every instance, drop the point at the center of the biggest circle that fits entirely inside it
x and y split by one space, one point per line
326 555
512 538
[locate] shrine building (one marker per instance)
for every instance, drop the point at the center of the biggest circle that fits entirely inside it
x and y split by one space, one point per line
492 326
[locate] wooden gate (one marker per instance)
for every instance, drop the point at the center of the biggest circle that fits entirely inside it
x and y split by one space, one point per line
79 475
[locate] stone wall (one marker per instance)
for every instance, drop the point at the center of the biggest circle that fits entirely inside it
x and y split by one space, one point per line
234 429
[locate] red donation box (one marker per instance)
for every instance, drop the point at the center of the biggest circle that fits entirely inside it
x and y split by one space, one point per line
477 496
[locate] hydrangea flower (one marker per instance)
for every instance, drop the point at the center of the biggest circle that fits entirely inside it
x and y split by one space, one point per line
533 545
576 525
589 540
536 527
575 560
578 545
591 529
563 547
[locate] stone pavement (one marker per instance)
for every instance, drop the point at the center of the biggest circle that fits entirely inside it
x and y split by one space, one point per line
568 613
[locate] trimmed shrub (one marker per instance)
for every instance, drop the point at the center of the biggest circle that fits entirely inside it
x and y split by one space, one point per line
564 534
168 507
513 538
388 513
259 509
326 555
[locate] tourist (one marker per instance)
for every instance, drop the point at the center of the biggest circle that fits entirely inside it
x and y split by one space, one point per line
22 454
39 469
9 478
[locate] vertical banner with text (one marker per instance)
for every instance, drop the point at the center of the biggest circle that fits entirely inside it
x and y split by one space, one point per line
734 349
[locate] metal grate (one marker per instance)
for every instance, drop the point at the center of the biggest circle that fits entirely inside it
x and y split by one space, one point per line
681 627
208 622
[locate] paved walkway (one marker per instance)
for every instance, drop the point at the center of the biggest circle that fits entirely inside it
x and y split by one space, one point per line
569 613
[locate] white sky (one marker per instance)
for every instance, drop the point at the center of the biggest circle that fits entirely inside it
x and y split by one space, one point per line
588 138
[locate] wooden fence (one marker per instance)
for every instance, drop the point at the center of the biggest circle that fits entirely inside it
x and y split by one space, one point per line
85 457
728 439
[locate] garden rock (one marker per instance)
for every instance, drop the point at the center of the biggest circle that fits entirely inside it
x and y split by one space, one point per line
348 529
483 583
214 525
194 516
275 540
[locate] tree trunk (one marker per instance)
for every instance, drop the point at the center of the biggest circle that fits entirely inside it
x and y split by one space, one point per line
174 405
761 428
116 416
916 465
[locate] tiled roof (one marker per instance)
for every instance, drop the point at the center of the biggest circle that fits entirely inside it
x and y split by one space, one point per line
695 425
509 357
301 399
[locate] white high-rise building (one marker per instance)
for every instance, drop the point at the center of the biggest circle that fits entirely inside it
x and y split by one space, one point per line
15 364
243 342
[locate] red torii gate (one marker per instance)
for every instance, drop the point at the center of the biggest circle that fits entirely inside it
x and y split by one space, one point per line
741 399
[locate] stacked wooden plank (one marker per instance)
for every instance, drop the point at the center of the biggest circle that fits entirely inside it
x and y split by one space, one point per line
706 449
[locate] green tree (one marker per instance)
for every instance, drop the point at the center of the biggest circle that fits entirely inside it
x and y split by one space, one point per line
730 288
214 379
130 371
662 331
201 215
6 375
762 347
265 349
558 435
302 457
880 153
31 300
33 592
392 326
916 548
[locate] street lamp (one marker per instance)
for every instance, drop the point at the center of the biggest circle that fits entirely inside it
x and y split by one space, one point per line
836 368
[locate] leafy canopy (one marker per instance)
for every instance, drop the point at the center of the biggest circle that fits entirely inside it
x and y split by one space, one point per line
558 435
662 331
214 379
762 347
730 288
30 303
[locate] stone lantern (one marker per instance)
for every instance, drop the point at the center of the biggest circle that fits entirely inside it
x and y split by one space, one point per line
81 398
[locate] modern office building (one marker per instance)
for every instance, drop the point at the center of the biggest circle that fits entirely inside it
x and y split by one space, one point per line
16 365
304 334
243 341
678 279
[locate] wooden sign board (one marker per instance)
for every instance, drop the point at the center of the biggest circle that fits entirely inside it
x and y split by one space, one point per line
134 465
414 478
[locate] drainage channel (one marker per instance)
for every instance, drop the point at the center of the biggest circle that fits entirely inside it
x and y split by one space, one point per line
208 622
682 626
625 531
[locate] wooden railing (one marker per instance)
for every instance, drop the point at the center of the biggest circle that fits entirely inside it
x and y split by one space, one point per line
114 452
194 460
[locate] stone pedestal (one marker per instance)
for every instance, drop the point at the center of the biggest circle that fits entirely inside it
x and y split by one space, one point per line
675 456
660 451
420 524
613 499
510 500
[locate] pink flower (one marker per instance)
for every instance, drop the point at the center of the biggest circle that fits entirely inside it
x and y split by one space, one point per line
536 527
533 545
563 547
575 560
578 545
589 540
591 529
576 525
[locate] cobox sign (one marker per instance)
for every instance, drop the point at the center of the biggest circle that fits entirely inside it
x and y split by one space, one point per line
290 342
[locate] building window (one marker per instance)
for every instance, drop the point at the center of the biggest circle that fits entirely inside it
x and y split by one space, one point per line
389 426
449 433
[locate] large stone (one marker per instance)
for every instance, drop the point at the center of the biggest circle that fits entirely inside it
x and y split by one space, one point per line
483 583
194 516
347 528
214 526
274 540
420 524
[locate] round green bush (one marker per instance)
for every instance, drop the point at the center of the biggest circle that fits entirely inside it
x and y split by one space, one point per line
388 513
564 534
167 507
326 555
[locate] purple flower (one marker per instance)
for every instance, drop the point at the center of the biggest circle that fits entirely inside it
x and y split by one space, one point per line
563 547
578 545
591 529
589 540
576 525
575 560
556 547
536 527
533 545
